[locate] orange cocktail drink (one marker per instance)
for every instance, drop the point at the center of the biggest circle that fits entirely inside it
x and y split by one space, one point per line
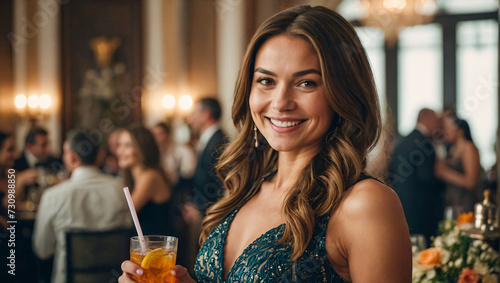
157 260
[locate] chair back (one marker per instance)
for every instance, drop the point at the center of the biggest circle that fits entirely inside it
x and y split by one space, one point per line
96 256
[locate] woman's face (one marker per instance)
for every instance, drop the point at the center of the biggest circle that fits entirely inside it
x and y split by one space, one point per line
126 154
288 98
8 153
450 130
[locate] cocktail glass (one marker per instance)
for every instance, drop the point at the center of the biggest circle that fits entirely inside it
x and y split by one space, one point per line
157 260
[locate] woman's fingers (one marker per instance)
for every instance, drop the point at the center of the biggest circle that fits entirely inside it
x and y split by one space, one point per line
181 274
126 278
131 268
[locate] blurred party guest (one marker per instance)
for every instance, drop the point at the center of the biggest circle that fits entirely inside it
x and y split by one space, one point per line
37 152
7 156
89 200
12 189
178 161
204 121
411 172
110 164
139 156
23 179
461 170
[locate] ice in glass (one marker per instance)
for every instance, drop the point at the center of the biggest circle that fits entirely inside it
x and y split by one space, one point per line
157 260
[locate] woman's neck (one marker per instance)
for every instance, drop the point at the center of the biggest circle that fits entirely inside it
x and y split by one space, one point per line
290 167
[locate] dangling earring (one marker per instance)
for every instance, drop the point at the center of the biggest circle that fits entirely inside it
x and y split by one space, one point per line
255 136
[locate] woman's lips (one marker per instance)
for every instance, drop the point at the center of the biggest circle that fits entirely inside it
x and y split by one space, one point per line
285 124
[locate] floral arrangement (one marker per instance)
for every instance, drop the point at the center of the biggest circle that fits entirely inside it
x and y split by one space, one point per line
455 257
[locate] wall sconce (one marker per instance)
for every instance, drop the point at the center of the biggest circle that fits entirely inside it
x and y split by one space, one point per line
169 102
185 102
33 107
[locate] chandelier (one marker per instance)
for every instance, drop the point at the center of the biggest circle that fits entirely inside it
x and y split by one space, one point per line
394 15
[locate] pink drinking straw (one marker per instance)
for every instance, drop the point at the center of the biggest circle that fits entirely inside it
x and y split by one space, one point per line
134 217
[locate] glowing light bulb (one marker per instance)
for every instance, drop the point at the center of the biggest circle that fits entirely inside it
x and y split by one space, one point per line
20 101
168 101
45 101
185 102
394 5
33 101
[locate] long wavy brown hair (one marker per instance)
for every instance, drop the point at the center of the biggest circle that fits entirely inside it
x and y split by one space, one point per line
351 93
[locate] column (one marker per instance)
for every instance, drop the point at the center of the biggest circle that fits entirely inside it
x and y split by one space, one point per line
230 36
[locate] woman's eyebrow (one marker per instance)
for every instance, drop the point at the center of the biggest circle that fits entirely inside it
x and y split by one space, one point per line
297 74
264 71
305 72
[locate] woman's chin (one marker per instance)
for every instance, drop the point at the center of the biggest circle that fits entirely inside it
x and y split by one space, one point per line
124 165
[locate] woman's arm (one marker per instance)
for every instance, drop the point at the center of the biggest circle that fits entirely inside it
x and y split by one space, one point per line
472 168
144 189
372 235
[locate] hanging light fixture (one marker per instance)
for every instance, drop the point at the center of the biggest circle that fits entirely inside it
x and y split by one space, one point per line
394 15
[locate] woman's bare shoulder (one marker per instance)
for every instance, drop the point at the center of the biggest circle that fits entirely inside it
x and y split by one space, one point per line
369 196
366 205
149 176
369 230
470 147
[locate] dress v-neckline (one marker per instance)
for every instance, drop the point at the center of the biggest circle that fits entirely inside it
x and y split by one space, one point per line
245 251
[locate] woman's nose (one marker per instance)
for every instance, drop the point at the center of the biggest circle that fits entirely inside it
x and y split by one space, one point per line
283 99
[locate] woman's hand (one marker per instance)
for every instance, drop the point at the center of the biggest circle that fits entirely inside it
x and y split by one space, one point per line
181 274
130 269
27 177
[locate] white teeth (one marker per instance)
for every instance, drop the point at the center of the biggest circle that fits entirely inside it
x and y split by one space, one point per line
284 124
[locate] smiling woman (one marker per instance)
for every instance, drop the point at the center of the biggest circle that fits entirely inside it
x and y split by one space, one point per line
297 206
288 101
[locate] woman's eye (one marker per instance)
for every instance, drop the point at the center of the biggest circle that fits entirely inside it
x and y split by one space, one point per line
307 84
265 81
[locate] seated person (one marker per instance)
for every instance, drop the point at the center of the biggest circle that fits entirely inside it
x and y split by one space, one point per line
89 200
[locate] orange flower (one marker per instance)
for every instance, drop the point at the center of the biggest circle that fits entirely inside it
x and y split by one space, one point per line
429 258
465 218
468 276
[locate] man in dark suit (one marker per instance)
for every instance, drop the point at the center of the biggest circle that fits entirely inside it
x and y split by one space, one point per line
204 121
37 153
411 173
207 188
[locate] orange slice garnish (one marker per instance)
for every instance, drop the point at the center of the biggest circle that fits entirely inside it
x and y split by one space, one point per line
146 261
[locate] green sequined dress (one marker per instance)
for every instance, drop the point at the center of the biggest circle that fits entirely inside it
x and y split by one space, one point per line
266 260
